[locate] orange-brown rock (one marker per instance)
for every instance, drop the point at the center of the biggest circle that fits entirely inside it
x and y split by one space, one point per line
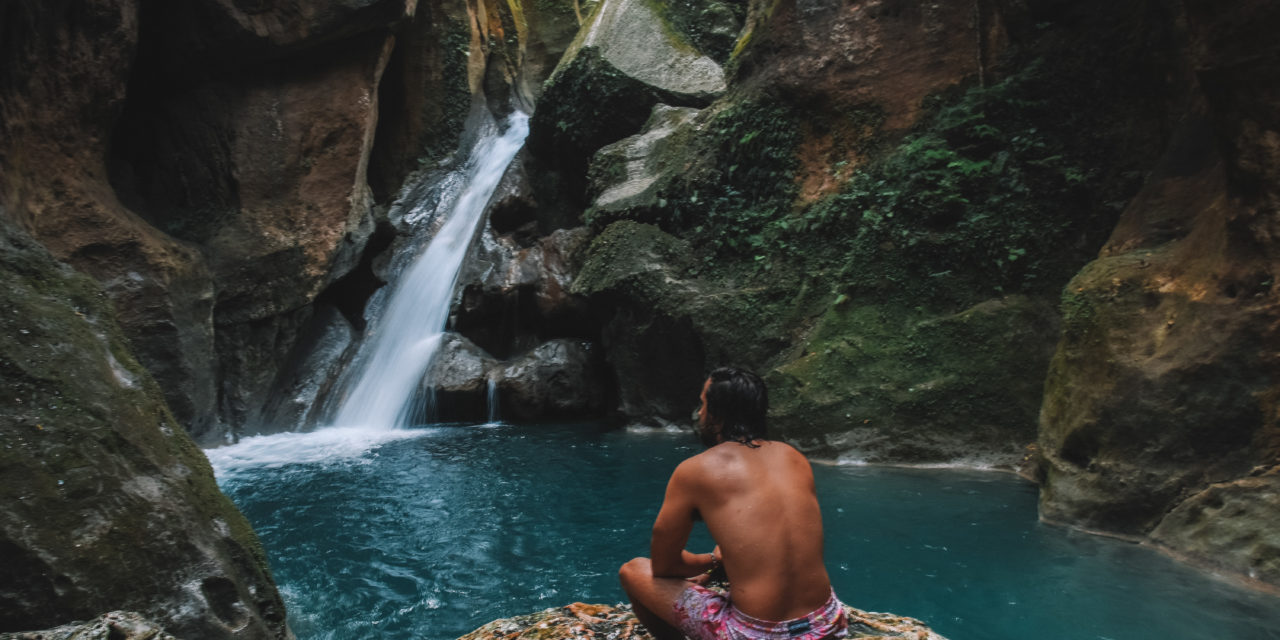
883 57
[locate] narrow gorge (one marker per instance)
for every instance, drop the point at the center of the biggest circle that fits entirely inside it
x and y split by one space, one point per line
1034 236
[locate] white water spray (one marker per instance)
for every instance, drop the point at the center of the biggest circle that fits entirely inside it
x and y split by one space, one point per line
402 342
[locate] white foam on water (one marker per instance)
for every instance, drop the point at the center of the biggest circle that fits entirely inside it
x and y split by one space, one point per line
321 446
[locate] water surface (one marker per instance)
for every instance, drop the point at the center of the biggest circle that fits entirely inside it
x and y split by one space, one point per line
431 532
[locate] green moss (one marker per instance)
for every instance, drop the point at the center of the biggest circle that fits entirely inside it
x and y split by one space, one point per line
934 384
83 421
729 202
710 27
586 105
449 113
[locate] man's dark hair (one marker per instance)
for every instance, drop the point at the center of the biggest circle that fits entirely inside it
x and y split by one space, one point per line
738 400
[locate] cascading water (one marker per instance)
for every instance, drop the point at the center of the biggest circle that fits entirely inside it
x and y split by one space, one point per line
403 340
491 397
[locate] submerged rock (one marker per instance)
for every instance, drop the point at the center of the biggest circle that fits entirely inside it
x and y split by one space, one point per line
617 622
117 625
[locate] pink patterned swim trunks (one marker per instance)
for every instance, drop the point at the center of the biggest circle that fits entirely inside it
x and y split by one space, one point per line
704 614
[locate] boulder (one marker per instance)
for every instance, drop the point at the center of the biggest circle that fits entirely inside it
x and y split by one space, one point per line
617 622
635 37
625 59
513 298
558 379
628 178
105 501
458 380
649 340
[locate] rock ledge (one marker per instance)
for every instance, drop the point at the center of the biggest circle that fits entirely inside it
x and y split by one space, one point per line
616 622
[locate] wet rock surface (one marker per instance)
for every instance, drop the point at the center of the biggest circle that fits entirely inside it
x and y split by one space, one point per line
559 379
617 622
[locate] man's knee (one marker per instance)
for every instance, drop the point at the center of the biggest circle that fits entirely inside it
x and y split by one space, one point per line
634 570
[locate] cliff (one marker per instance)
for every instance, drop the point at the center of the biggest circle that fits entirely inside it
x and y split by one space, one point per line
945 231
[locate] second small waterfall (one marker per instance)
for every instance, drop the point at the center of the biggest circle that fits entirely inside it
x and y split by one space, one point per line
403 340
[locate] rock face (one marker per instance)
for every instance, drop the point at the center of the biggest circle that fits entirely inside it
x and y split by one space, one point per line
210 161
619 623
628 57
1159 416
560 379
629 178
107 503
879 212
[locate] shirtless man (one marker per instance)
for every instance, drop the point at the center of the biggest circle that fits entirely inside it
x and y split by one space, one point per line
757 498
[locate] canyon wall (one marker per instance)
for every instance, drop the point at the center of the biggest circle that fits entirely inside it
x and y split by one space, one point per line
1160 418
218 165
1005 232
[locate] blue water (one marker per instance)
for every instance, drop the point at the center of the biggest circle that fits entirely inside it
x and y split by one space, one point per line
429 533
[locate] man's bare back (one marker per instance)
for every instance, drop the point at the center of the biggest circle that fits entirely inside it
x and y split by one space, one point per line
758 500
760 507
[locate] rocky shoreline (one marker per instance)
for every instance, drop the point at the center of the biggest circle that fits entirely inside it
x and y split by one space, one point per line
617 622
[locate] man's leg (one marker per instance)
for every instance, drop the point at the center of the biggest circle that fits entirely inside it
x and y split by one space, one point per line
652 598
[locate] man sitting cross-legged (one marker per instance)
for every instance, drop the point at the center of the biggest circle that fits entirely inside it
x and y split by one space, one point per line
757 498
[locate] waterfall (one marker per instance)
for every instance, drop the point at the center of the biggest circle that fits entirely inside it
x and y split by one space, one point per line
403 339
491 397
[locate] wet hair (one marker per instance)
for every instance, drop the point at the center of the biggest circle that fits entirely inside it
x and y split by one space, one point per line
739 401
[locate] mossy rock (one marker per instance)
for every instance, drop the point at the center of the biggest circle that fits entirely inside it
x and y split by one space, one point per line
629 178
625 59
884 383
1157 390
108 504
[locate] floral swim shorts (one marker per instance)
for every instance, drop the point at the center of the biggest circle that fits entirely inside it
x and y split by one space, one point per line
704 614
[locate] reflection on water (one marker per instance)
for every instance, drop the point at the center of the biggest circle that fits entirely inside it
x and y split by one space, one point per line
433 535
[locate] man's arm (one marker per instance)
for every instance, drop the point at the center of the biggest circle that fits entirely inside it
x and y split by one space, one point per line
672 527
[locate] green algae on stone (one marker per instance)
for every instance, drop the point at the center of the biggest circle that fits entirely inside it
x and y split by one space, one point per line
887 383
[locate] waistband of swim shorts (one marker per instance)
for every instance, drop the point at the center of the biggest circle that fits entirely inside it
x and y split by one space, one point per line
828 613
